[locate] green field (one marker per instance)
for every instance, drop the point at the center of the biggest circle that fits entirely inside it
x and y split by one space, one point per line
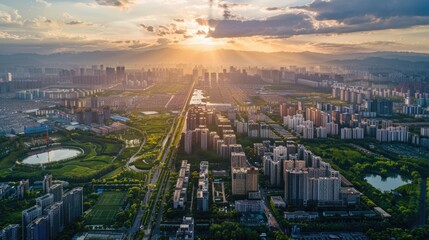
96 161
106 208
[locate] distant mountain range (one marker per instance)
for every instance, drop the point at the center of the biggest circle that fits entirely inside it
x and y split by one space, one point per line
138 58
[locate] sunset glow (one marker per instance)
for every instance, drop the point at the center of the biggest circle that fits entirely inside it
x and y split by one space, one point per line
46 26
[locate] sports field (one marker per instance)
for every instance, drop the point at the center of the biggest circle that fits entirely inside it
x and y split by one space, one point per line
104 211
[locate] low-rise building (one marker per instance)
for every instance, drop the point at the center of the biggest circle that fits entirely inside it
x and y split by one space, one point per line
299 215
186 229
249 206
278 202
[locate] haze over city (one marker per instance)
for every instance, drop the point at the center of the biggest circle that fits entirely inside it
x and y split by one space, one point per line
212 119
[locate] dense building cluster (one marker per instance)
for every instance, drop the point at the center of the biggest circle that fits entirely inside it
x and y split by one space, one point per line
304 176
203 188
52 212
180 192
327 120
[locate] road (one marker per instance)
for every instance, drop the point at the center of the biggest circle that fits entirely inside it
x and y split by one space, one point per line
171 146
272 221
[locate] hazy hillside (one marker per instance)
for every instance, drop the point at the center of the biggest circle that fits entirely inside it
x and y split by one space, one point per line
137 58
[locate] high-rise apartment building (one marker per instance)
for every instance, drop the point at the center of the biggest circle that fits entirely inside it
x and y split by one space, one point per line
73 205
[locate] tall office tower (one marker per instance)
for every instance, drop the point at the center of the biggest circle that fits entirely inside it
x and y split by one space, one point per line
57 191
296 182
47 183
264 130
28 215
55 216
45 200
252 180
276 172
73 205
188 141
10 232
38 229
204 138
238 181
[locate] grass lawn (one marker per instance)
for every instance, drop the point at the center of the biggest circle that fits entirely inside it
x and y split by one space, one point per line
105 210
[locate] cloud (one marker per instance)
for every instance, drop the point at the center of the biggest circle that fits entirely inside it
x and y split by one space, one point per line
179 20
274 9
329 17
44 2
68 15
283 25
202 22
147 28
201 32
136 44
76 23
226 7
163 30
6 35
11 17
180 31
115 3
163 41
342 10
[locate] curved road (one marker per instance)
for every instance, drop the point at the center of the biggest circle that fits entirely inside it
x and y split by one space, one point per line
133 158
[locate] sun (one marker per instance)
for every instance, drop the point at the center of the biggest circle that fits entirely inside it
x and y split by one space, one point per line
204 42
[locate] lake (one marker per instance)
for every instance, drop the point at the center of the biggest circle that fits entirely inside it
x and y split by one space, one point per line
55 155
386 184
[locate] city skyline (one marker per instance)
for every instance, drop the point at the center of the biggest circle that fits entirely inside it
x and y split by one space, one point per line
337 26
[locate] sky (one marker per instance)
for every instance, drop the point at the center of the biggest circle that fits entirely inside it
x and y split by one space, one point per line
325 26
